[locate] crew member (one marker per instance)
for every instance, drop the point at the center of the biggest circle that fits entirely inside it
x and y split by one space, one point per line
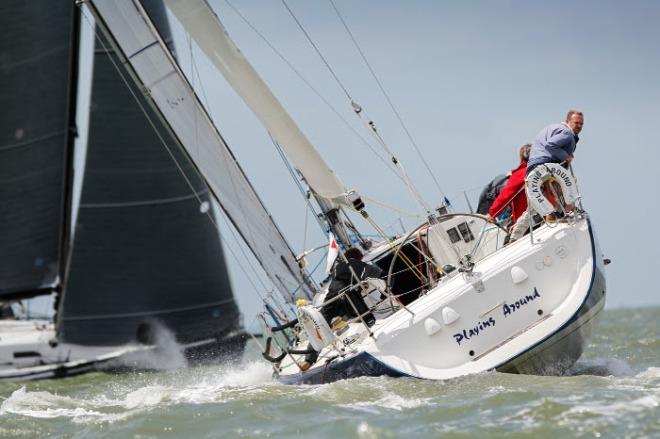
513 193
556 143
344 280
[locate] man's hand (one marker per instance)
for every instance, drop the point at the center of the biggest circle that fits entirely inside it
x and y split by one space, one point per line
570 158
490 219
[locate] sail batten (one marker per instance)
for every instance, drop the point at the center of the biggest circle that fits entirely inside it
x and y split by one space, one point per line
168 91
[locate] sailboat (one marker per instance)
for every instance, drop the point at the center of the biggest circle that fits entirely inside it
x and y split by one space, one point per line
455 299
134 260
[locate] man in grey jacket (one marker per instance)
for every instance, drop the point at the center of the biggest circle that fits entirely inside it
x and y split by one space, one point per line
556 143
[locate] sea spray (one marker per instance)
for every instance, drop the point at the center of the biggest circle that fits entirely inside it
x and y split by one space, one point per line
613 391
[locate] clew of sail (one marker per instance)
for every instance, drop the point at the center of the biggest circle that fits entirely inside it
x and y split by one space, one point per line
206 29
155 70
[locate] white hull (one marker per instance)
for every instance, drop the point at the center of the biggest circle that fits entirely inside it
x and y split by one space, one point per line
536 321
27 352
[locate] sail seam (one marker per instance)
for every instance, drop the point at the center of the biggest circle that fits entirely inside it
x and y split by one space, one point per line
34 140
148 313
144 203
45 54
143 49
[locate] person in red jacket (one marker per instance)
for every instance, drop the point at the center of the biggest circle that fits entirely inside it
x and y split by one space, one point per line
513 193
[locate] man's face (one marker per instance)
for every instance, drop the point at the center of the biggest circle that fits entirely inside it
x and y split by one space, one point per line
575 122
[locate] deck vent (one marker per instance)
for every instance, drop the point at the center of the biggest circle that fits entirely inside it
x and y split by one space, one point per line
449 316
431 326
518 275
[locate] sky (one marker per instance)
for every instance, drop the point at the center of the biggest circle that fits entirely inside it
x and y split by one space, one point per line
472 81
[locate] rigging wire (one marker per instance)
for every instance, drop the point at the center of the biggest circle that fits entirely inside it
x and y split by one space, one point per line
401 212
167 147
305 197
302 190
358 111
403 256
304 246
195 70
387 97
313 89
318 51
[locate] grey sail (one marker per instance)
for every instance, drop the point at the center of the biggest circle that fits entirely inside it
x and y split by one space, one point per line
145 255
37 83
155 69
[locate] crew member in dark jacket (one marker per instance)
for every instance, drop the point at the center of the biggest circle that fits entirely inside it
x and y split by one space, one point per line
342 281
342 278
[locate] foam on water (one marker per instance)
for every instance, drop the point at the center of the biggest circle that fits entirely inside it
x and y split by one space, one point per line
192 386
614 391
47 405
617 409
652 373
391 402
145 397
601 367
167 356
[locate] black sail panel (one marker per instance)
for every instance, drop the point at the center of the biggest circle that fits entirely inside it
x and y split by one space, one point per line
145 253
35 137
154 68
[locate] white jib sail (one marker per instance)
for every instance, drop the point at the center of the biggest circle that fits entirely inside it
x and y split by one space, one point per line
206 29
155 69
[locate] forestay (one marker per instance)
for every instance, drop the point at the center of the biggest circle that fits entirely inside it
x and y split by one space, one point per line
155 69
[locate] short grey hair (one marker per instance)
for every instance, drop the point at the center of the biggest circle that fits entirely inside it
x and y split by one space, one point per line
572 112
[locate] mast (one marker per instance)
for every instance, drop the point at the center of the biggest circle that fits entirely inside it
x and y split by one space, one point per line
71 134
210 35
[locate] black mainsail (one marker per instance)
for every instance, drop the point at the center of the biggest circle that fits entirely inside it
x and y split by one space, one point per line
37 94
153 67
145 254
146 251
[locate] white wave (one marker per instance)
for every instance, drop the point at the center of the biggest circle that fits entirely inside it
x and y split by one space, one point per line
651 373
145 397
602 367
168 354
254 373
47 405
614 410
122 400
645 381
390 402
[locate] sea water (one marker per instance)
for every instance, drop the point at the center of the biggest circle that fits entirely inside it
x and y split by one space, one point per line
613 391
